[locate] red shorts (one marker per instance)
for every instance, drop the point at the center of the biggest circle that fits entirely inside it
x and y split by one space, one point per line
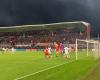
46 53
57 50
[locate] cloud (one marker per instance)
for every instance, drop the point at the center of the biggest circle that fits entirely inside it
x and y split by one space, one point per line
19 12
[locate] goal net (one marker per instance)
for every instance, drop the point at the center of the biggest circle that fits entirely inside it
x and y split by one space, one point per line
86 48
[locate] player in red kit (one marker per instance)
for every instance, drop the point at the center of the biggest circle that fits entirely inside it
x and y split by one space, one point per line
46 53
61 47
56 48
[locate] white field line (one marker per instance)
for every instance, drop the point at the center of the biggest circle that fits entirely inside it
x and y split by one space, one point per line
42 70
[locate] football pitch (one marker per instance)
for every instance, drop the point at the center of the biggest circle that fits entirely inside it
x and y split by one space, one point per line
32 65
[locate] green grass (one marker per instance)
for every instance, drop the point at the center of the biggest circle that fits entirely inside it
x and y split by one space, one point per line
94 74
13 66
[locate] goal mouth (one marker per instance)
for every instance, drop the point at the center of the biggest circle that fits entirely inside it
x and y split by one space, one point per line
88 47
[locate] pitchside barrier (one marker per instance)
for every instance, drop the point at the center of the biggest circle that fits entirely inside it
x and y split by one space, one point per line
87 48
24 49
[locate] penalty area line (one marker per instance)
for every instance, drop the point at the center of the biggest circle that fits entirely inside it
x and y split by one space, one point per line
42 70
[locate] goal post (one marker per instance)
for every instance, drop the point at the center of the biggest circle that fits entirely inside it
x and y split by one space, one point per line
88 47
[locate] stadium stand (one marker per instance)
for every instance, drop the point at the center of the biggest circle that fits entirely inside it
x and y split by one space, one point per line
39 36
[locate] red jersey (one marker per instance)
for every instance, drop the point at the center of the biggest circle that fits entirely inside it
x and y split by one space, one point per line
46 51
56 46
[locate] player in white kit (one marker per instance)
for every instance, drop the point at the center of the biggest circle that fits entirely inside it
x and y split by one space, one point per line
49 51
13 50
67 55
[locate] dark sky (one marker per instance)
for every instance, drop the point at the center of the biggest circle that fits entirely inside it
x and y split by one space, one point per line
21 12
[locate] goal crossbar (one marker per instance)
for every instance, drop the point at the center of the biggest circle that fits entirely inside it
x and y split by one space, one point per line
88 41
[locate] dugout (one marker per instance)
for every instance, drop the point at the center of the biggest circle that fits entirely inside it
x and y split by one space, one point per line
27 36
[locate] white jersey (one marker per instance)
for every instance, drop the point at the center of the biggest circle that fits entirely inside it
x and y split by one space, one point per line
66 50
49 50
4 49
13 50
